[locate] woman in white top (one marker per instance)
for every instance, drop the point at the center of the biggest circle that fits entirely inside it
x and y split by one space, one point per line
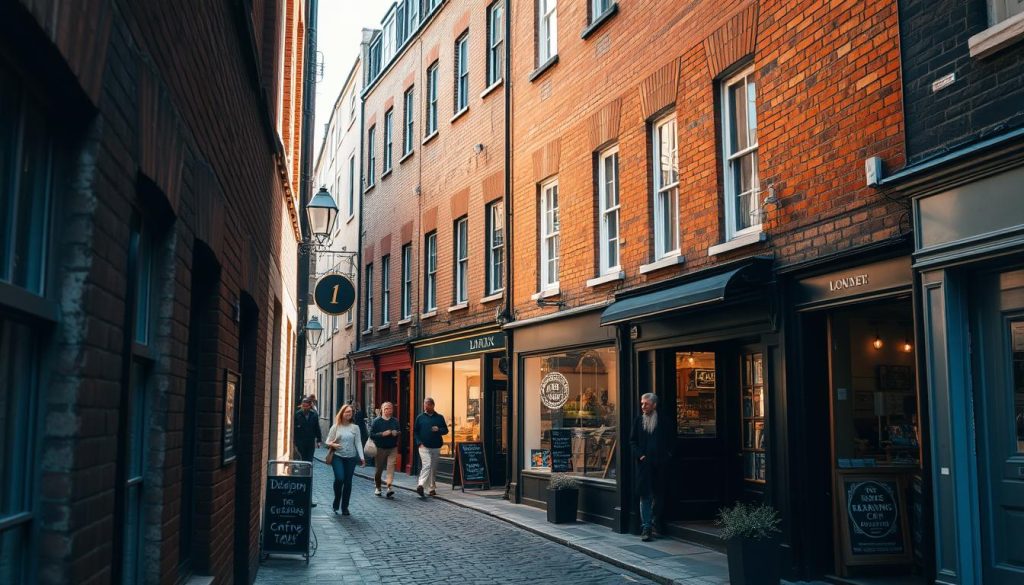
344 439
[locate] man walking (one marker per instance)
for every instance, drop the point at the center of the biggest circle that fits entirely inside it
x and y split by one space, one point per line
651 441
307 436
428 430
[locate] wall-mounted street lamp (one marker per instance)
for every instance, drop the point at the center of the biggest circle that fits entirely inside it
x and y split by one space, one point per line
313 331
321 213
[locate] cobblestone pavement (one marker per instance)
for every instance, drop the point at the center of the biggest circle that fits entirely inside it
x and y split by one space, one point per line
408 540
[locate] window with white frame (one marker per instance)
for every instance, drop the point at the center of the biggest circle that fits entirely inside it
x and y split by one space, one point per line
608 204
666 187
408 136
462 73
495 37
348 317
369 297
461 260
432 4
495 247
389 117
352 108
739 126
406 281
352 185
1000 10
385 289
389 40
430 272
371 161
547 30
549 230
598 8
401 24
431 125
412 14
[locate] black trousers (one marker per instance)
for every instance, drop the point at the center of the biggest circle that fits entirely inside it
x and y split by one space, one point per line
306 451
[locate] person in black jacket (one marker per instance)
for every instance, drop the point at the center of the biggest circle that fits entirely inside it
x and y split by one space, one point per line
385 431
428 431
652 441
306 427
359 418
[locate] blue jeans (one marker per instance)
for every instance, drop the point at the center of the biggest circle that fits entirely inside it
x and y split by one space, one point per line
646 512
344 468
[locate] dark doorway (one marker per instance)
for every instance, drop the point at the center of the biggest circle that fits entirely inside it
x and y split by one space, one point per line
203 325
246 556
497 419
997 306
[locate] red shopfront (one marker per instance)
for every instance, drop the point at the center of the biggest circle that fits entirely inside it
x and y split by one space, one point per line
386 376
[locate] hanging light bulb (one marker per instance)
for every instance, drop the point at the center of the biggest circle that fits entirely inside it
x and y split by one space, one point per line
877 343
907 347
690 360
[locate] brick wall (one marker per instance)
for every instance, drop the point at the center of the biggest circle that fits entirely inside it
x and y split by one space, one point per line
987 97
441 181
178 81
828 97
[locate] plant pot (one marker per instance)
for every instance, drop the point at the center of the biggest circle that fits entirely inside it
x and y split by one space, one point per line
753 562
562 505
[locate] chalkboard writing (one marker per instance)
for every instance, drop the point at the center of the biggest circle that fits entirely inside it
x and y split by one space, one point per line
471 465
561 450
286 515
704 378
875 518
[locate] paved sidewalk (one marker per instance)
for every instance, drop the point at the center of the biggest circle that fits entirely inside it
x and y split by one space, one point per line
664 560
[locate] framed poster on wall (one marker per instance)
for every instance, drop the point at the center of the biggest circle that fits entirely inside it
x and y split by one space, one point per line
229 431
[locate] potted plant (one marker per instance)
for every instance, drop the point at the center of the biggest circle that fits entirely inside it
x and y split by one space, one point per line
751 543
563 494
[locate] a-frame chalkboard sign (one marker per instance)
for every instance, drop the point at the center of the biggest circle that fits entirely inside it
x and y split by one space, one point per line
470 466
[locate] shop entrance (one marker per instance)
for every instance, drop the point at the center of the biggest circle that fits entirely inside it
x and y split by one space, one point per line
394 388
496 420
873 514
997 333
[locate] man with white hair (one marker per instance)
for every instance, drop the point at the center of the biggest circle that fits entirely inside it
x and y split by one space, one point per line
652 443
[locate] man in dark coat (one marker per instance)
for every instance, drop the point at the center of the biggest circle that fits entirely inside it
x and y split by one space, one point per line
359 418
652 442
306 427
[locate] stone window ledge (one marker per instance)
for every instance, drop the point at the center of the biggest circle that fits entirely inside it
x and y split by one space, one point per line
997 37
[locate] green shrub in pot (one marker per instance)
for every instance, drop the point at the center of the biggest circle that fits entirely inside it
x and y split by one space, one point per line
750 532
563 497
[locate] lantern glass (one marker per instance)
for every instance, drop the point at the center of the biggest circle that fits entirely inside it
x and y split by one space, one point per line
314 331
322 211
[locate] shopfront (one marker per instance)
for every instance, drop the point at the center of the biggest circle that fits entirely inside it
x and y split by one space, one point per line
567 383
466 375
858 490
969 258
385 375
706 345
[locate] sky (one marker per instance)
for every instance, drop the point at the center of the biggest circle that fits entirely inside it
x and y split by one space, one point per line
339 27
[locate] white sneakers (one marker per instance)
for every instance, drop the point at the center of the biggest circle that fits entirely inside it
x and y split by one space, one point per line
376 491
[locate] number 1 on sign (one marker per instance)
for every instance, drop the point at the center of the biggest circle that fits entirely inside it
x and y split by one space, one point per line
334 298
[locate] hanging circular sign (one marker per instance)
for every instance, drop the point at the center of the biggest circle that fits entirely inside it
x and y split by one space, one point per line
334 294
554 390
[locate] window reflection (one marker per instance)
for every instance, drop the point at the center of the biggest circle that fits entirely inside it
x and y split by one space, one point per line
696 385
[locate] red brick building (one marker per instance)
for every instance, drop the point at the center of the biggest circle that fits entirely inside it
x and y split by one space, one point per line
684 176
433 217
147 322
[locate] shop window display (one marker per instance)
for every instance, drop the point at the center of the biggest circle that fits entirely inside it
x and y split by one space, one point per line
575 390
696 385
458 395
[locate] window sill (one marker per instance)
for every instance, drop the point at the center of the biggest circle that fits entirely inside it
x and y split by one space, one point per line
384 327
738 242
459 307
428 315
673 259
368 331
369 188
490 88
406 156
491 298
430 137
405 321
608 14
543 67
385 174
551 292
348 325
350 218
606 278
459 114
997 37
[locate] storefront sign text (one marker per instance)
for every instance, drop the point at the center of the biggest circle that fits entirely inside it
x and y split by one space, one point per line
848 282
482 343
554 390
883 276
875 527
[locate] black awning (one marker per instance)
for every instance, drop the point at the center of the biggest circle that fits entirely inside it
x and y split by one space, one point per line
710 289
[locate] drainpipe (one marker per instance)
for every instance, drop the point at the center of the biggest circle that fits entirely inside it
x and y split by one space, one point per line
305 182
510 464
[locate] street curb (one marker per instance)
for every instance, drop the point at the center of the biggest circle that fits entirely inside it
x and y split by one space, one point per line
589 552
